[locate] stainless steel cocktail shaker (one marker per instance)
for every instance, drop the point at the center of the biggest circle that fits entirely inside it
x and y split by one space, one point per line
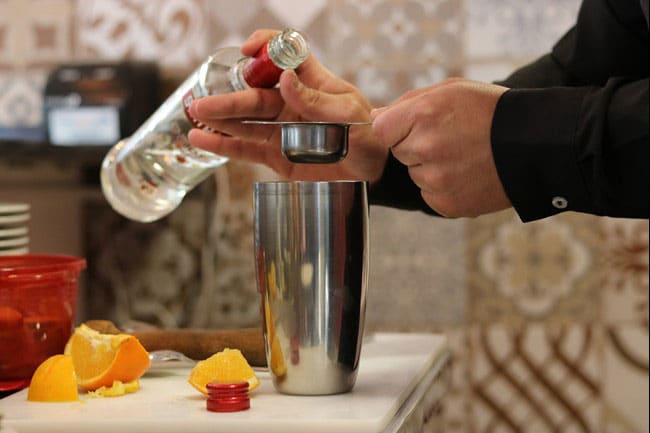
312 249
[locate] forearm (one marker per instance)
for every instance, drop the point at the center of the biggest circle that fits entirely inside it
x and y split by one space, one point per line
583 149
584 139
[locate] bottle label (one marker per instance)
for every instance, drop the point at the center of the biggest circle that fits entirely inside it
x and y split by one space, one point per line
187 101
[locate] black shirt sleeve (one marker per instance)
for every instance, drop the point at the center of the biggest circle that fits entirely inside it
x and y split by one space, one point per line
572 133
396 189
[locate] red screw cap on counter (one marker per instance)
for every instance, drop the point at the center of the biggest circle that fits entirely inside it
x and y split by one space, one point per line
228 397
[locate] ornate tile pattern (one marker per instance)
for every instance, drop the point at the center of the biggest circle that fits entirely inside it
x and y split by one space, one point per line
387 48
229 296
172 32
430 259
179 34
456 407
536 378
21 100
29 45
625 271
146 272
548 321
625 387
506 30
192 268
545 270
28 39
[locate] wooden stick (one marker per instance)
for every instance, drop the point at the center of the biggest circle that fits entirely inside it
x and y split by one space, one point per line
197 344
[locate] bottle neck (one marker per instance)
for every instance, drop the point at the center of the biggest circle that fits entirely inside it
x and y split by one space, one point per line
261 70
285 51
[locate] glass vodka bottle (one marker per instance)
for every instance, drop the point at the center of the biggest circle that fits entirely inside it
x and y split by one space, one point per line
145 177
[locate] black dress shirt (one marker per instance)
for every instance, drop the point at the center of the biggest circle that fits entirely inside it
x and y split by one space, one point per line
572 131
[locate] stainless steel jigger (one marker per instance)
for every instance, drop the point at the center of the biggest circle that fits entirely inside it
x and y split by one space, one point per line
312 142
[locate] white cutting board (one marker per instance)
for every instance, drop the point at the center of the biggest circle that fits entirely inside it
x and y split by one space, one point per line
391 366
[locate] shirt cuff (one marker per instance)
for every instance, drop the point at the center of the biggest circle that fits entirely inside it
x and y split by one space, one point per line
396 189
533 136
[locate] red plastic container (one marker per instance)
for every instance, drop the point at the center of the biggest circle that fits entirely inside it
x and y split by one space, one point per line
38 301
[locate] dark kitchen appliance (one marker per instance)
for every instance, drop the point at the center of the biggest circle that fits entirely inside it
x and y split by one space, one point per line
97 104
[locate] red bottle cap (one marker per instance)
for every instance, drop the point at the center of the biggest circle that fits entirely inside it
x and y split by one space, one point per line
228 397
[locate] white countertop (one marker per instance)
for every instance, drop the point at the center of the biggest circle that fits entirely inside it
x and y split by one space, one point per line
389 384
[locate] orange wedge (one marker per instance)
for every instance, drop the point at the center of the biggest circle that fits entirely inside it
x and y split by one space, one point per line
54 380
227 366
277 359
101 359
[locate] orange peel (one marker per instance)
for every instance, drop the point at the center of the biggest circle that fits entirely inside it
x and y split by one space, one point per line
101 359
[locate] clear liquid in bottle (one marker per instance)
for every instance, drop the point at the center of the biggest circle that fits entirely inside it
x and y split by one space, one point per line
146 176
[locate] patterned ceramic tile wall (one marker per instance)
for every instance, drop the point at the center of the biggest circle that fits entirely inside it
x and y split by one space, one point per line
548 321
29 45
387 48
503 35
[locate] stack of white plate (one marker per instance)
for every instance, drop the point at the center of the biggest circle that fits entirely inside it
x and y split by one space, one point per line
14 233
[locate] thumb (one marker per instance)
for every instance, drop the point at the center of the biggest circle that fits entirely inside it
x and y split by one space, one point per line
393 123
377 111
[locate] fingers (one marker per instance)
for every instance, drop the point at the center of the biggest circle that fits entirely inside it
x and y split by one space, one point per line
230 147
393 124
434 203
311 70
435 190
256 40
224 113
412 94
417 92
258 103
317 105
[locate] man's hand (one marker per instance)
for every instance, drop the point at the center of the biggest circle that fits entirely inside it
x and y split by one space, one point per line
311 93
442 133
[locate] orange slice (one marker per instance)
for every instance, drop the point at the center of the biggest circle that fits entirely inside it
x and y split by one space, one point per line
227 366
101 359
54 380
